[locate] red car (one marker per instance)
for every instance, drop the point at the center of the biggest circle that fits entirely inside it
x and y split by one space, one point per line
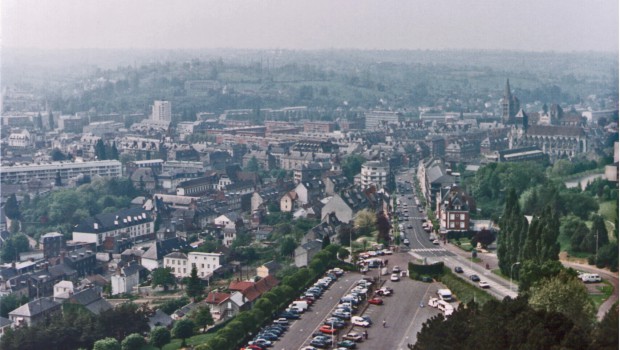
376 301
328 329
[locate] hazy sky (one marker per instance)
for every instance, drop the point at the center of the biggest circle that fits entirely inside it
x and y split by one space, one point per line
540 25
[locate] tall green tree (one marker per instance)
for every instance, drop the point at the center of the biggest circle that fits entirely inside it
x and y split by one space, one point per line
513 229
202 317
183 329
194 287
365 222
11 208
100 150
287 246
114 151
162 277
352 165
383 229
160 336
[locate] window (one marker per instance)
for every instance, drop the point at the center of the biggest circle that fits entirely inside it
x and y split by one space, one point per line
451 216
451 225
462 225
462 216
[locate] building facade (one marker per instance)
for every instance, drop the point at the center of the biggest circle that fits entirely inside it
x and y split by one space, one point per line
47 172
162 111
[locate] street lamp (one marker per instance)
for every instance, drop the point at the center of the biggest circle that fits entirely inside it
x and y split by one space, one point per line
511 267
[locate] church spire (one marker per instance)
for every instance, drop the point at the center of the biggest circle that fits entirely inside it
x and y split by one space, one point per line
507 90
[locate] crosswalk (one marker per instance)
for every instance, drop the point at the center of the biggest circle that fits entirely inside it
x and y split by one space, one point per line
428 250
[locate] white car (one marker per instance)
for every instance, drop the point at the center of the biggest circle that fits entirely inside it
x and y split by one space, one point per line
358 321
394 277
484 284
405 241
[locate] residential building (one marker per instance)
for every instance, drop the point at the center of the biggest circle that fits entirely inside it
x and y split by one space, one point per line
374 173
47 172
34 312
162 111
125 279
182 264
381 119
319 127
305 252
268 268
133 223
453 208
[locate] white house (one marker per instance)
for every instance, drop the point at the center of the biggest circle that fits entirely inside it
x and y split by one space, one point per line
226 220
125 279
182 264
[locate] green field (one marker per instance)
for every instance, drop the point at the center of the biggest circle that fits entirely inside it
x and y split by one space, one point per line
176 343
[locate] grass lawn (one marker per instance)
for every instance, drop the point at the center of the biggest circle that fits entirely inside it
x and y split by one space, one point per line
606 289
465 244
464 291
608 210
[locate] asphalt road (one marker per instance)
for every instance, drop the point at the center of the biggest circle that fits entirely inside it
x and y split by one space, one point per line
422 248
300 331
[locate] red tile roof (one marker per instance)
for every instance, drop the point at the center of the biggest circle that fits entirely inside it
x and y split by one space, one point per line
253 290
216 298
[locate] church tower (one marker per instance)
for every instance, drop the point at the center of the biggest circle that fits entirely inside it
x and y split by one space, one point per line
510 105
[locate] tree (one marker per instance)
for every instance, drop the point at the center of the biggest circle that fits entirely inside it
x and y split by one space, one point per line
325 242
352 165
13 246
365 222
162 277
123 320
11 302
252 165
113 151
133 341
287 246
383 229
345 234
107 344
11 208
194 284
484 237
100 150
513 230
531 272
57 155
343 253
202 317
160 336
606 332
183 329
565 294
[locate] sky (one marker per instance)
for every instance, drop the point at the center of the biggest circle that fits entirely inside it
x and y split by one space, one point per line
530 25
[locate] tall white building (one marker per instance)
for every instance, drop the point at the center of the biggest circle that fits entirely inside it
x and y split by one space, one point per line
374 173
162 111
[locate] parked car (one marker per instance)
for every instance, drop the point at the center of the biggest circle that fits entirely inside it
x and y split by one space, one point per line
406 242
347 344
484 284
458 269
353 336
375 301
327 329
359 321
319 343
281 320
474 278
396 269
394 277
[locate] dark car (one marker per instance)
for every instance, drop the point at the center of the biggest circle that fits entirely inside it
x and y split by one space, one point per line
289 315
347 344
458 269
474 278
319 343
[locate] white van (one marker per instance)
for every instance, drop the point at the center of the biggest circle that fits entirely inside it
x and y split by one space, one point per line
300 305
591 278
444 294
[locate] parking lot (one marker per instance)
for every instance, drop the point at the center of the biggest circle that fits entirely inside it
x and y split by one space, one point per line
402 312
